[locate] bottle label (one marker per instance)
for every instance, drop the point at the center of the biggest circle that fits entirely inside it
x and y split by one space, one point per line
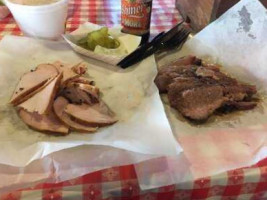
135 16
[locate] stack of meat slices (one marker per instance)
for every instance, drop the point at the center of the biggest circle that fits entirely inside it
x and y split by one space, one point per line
56 98
197 90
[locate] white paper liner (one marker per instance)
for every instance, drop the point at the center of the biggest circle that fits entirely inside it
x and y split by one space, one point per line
128 42
142 127
237 41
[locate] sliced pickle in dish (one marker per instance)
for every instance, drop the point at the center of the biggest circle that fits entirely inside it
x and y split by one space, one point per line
99 37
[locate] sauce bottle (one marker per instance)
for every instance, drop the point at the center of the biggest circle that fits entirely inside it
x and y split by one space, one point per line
136 17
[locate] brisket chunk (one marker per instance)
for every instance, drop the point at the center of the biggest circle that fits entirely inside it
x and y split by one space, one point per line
184 67
197 90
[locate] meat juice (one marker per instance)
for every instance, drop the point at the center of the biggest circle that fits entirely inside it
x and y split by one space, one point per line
136 17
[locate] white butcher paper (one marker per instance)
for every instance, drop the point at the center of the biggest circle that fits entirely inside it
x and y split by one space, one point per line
237 41
142 127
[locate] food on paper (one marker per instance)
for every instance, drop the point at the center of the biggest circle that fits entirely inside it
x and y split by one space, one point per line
125 43
60 105
67 72
32 82
198 90
49 122
99 37
56 98
97 114
77 92
79 68
42 100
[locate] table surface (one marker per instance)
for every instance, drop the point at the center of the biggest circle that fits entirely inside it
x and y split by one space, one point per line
121 182
104 12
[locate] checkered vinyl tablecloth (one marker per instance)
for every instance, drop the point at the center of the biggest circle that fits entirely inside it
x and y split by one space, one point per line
121 182
104 12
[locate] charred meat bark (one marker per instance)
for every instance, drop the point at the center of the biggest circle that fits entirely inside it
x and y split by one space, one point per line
197 90
81 93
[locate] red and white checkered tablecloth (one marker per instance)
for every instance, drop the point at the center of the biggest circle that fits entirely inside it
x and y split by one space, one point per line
104 12
121 182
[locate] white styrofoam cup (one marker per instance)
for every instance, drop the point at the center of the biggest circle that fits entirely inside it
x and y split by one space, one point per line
41 21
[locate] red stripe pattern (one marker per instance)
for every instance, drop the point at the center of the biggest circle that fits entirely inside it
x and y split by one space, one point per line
120 183
104 12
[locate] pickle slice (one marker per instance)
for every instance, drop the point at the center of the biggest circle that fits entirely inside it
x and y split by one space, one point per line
104 30
82 41
99 37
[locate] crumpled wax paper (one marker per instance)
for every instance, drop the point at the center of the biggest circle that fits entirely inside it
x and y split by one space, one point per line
142 130
66 165
238 42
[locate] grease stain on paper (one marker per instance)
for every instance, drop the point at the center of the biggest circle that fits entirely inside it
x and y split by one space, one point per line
246 22
252 36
